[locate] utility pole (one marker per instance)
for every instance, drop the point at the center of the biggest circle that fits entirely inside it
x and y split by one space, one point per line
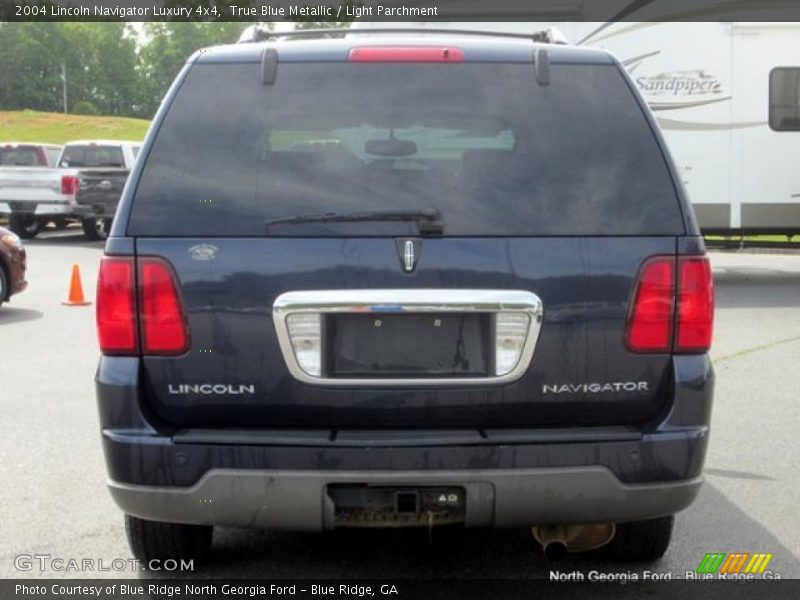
64 85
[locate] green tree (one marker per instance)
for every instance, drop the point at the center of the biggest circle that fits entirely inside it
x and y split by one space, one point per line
112 83
167 47
111 66
97 59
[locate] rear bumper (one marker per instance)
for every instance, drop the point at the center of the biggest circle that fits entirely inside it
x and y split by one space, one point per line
278 479
297 500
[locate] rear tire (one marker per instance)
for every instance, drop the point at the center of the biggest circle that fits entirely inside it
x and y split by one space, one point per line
641 541
96 229
152 540
25 226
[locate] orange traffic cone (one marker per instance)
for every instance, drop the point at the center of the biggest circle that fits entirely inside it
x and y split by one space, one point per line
75 289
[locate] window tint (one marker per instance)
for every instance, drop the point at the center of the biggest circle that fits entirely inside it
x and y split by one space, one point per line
493 151
784 99
21 156
92 155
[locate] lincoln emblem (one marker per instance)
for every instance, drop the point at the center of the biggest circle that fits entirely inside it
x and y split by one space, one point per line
408 256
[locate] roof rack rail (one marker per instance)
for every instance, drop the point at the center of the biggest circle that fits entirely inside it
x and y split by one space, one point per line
254 33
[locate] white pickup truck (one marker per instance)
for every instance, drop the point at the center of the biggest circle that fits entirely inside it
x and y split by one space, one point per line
32 196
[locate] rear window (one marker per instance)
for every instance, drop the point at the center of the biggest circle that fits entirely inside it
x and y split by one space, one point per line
20 156
92 155
494 152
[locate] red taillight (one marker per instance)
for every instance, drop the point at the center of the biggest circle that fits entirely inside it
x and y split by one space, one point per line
69 185
406 54
695 321
160 312
663 297
163 324
116 307
651 315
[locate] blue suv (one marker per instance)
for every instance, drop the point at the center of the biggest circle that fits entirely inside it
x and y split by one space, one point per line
404 280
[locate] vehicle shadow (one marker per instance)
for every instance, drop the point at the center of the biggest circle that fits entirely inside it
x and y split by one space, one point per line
71 238
712 524
12 314
756 288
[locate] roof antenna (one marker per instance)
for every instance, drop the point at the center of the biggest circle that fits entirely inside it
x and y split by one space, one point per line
269 66
541 66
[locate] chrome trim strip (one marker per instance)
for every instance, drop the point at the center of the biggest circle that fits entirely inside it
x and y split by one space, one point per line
407 300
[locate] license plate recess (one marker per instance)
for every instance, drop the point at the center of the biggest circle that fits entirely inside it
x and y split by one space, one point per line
380 345
404 506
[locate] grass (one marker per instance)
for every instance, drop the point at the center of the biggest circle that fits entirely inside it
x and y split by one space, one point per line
56 128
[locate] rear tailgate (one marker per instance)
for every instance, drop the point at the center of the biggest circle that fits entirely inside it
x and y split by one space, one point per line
31 185
562 191
584 284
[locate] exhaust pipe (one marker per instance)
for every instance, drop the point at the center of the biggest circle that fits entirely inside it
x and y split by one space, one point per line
553 541
555 551
558 540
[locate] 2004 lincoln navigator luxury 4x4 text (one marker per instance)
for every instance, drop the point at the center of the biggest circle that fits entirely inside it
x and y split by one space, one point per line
400 280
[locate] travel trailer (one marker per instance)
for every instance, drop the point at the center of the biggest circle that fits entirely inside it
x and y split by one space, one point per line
727 97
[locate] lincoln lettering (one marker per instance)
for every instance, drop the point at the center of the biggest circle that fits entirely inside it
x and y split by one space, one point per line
212 389
595 388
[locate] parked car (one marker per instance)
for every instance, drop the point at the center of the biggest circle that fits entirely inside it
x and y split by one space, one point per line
32 196
12 265
496 312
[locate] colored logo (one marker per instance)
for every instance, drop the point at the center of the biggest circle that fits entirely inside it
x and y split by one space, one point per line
734 563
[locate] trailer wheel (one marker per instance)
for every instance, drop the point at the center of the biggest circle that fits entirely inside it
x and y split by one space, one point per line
96 229
153 540
641 541
25 226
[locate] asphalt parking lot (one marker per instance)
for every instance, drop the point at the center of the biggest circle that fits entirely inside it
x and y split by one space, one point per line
51 468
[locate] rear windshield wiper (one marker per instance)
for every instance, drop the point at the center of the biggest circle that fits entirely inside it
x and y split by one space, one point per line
429 220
